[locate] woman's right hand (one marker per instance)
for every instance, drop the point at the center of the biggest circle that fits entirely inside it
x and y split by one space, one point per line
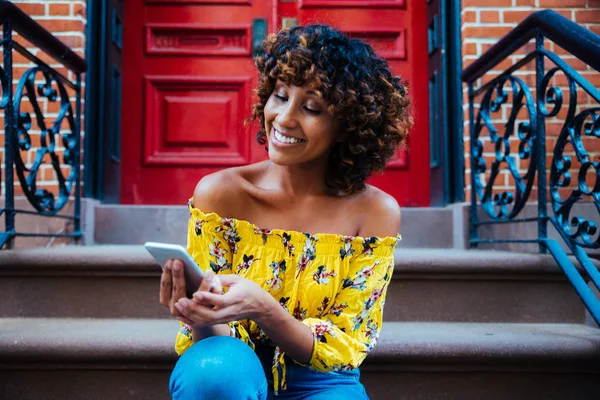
173 293
172 285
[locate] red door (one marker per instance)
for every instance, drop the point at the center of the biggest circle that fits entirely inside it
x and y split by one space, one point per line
188 78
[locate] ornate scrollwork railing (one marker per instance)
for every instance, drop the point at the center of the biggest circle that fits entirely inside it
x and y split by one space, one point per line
58 147
517 152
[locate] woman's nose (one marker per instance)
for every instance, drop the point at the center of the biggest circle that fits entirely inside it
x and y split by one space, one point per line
286 117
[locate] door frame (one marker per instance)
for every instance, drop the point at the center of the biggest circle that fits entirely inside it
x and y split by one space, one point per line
102 103
445 103
97 92
454 109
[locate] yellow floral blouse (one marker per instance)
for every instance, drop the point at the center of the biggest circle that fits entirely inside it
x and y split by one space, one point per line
334 284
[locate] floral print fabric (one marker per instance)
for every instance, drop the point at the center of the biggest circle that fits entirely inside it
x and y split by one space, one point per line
334 284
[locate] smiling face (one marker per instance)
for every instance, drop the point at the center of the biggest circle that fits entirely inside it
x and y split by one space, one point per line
299 127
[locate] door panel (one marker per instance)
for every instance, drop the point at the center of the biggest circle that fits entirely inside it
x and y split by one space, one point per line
189 76
187 90
397 31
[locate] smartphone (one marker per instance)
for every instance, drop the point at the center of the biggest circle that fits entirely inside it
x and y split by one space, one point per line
192 272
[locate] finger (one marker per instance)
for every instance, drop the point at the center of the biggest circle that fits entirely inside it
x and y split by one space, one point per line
206 281
166 280
226 314
216 286
213 299
230 279
195 312
178 290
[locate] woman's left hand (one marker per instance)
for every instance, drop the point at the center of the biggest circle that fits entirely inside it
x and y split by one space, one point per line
245 299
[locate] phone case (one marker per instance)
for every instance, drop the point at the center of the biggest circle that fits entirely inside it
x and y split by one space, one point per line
162 252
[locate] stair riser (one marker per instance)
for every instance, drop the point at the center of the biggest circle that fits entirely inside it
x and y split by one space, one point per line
152 384
81 297
481 300
84 384
408 300
458 385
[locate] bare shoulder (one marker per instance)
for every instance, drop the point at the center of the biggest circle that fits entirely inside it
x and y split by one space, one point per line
219 192
381 213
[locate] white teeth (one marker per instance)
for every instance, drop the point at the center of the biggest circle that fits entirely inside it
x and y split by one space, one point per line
284 139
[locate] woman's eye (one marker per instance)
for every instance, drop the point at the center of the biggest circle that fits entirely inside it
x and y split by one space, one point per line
282 98
311 111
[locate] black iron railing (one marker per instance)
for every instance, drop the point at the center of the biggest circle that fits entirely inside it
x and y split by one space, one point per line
59 144
574 171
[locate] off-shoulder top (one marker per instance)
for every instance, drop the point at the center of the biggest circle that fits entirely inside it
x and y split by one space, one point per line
334 284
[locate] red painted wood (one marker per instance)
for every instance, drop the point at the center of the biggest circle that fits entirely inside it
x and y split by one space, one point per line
400 35
188 81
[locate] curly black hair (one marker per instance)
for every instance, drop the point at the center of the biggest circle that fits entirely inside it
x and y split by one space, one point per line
372 104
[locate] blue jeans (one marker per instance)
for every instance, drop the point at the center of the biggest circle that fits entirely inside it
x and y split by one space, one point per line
223 367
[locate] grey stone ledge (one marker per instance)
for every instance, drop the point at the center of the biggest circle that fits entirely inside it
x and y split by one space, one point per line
456 261
134 260
128 340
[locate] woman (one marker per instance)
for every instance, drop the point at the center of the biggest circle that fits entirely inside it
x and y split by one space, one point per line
309 304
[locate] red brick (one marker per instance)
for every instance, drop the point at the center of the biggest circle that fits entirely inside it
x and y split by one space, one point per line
469 49
79 10
553 128
594 28
489 17
511 16
576 63
60 10
556 49
62 25
50 175
487 3
503 65
587 16
485 32
469 17
594 79
72 41
525 3
562 3
32 9
23 42
468 61
18 58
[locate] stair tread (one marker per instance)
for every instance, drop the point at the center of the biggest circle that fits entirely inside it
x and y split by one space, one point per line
425 261
134 259
453 341
152 339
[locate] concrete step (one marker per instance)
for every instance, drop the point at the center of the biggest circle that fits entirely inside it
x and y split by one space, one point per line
115 281
132 359
480 286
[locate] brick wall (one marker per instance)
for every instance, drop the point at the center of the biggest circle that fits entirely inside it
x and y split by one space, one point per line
66 20
483 23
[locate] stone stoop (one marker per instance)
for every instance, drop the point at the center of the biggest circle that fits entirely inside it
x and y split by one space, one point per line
442 285
132 359
83 322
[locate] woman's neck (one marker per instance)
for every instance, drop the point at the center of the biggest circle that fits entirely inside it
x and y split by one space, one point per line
297 180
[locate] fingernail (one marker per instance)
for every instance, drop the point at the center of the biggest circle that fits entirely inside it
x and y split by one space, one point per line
178 306
176 266
168 267
198 296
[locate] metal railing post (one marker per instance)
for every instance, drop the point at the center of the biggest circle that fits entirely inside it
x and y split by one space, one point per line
473 217
541 144
77 222
9 140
